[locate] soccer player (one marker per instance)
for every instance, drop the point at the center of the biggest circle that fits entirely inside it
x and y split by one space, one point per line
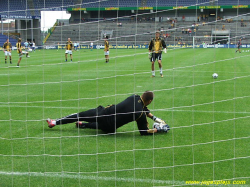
34 46
7 47
19 51
91 46
238 45
108 119
75 46
106 49
155 52
26 44
69 46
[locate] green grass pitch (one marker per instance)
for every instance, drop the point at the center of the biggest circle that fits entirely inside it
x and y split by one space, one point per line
209 119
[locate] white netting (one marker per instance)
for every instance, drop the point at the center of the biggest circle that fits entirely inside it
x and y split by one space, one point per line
209 138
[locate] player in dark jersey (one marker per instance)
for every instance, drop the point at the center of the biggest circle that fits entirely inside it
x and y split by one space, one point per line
155 48
238 45
108 119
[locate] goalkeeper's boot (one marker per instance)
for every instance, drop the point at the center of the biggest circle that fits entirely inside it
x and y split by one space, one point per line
51 123
80 125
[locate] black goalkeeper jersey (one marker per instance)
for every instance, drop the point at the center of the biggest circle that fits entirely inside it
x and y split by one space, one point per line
131 109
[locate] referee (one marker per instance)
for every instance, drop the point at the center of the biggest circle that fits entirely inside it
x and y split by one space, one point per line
155 52
110 118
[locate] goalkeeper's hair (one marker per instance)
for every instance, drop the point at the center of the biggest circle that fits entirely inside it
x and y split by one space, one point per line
147 96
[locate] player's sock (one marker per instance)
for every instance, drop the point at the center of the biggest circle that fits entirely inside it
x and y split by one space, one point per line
161 71
5 61
153 73
10 62
66 60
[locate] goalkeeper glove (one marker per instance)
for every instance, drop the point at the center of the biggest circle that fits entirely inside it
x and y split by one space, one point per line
158 120
165 50
150 55
157 126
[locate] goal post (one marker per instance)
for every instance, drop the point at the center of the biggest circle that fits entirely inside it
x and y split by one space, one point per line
211 41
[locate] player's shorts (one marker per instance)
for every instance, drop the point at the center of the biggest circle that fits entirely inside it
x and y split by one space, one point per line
20 55
68 52
7 53
156 56
106 52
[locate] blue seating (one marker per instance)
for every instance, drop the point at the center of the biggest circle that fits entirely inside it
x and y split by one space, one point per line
3 39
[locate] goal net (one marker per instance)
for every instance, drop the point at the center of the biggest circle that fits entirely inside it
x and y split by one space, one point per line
211 41
66 67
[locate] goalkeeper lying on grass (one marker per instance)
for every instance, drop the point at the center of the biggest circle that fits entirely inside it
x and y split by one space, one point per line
110 118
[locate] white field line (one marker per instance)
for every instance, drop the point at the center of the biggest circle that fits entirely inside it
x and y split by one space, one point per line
87 177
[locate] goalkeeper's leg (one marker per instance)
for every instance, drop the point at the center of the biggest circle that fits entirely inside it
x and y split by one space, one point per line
153 68
88 116
160 67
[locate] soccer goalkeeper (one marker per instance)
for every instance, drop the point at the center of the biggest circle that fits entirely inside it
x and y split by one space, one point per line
156 46
110 118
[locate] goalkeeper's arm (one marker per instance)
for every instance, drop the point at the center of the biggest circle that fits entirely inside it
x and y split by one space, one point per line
156 119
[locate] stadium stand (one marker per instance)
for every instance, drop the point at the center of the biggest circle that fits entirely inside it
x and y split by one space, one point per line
41 4
15 8
33 7
3 39
128 32
140 33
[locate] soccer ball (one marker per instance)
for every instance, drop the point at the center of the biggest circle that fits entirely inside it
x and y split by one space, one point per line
161 127
215 75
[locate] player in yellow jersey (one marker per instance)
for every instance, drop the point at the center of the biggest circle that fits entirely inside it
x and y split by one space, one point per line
106 49
69 46
19 51
7 47
155 48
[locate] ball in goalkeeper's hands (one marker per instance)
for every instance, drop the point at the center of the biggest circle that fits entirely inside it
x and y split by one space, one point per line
161 127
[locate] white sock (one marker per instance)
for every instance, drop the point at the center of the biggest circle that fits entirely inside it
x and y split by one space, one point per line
54 122
153 73
160 70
